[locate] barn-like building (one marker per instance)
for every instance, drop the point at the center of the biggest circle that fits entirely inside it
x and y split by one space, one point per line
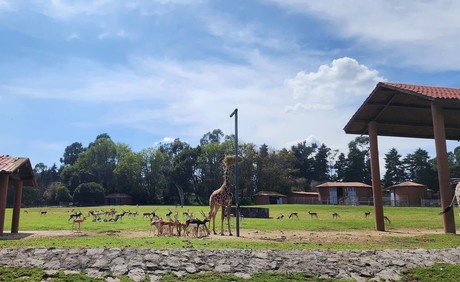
344 193
407 194
17 172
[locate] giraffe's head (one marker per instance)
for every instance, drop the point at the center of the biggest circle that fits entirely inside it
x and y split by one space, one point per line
229 160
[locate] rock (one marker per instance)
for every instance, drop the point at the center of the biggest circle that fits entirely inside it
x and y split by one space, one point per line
149 264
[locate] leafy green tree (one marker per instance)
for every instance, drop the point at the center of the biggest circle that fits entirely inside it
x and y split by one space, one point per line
89 194
247 172
128 174
212 137
45 177
454 165
276 172
29 196
62 194
71 153
358 167
209 170
305 160
321 163
421 169
99 161
340 167
155 172
72 176
395 171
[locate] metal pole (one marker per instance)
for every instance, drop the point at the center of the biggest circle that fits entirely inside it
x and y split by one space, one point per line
237 203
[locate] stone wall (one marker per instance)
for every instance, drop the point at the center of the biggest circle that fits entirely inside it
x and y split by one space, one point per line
139 263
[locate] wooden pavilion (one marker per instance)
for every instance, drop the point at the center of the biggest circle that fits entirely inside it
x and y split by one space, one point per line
407 194
18 172
406 110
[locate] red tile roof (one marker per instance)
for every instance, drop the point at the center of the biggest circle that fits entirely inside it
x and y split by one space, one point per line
10 164
408 184
430 91
344 184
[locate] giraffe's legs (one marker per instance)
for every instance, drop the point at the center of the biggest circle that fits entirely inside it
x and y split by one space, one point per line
224 208
457 194
212 214
228 220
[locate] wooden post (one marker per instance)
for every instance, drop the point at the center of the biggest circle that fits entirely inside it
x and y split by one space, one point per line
375 173
445 192
3 193
17 206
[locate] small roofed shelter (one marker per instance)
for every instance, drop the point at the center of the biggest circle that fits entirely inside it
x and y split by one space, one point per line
118 199
269 197
302 197
19 173
407 110
343 193
407 194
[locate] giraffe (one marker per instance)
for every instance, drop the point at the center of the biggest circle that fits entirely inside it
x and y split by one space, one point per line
222 197
455 197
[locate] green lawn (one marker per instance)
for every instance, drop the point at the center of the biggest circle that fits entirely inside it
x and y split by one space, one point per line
108 234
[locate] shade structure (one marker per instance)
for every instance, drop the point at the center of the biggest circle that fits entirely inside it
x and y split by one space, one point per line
408 110
19 172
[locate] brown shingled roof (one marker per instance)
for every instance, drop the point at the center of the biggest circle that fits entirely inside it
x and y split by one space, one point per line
408 184
344 184
404 110
18 168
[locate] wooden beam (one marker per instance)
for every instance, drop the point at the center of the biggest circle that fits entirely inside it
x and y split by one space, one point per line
375 173
17 206
443 167
3 193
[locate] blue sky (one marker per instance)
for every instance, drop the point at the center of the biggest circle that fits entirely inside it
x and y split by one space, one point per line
149 71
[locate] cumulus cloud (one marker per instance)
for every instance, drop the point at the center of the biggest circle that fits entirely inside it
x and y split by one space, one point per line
332 85
410 33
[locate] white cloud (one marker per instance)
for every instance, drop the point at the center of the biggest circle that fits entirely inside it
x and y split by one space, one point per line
73 36
409 33
248 33
332 85
74 9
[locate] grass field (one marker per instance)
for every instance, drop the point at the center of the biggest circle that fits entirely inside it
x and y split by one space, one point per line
110 234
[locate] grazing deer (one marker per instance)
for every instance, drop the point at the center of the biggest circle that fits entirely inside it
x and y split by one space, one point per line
187 215
168 215
294 214
335 215
119 216
150 215
313 214
281 216
385 218
75 215
198 224
43 212
79 222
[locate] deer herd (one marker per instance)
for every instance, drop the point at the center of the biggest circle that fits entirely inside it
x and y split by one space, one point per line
171 225
335 215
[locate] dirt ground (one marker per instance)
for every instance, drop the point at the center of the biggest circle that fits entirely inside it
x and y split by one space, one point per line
356 236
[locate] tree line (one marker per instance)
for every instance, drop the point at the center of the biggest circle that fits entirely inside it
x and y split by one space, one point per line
177 173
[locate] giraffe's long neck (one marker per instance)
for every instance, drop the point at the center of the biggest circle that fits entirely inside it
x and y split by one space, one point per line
227 178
